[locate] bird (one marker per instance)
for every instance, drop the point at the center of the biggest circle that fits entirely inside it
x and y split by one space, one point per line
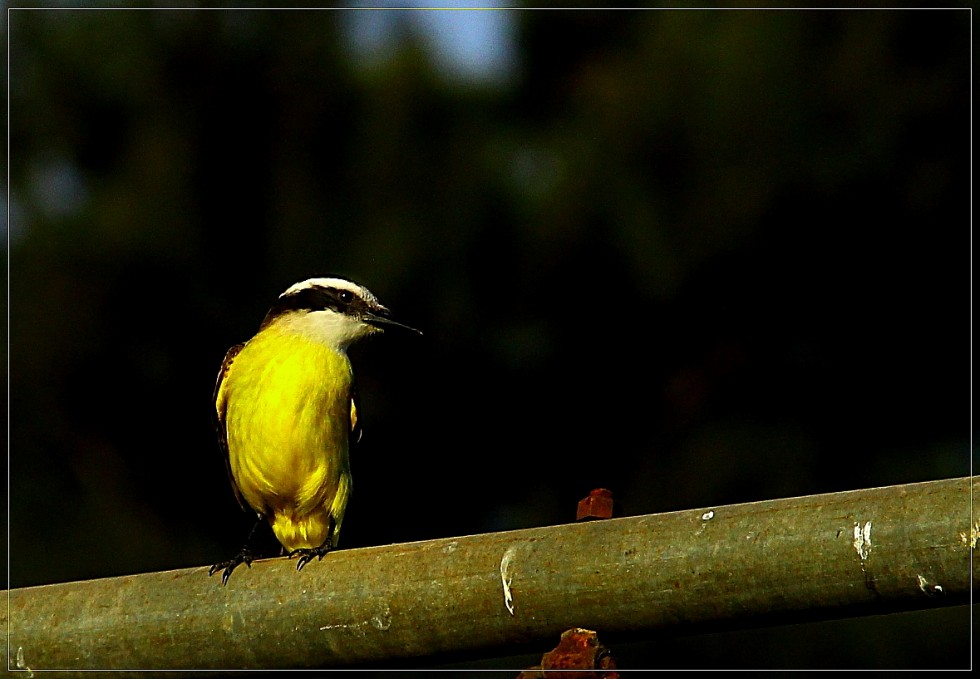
285 412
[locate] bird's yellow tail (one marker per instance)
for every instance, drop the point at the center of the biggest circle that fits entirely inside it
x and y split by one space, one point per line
301 532
311 530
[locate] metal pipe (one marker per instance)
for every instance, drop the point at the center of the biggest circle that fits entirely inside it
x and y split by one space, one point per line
791 560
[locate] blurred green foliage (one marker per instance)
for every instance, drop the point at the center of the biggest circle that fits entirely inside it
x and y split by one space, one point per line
697 257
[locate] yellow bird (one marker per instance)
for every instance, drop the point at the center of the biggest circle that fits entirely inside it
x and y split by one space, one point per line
285 413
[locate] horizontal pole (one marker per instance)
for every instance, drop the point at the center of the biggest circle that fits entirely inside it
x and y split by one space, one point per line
842 554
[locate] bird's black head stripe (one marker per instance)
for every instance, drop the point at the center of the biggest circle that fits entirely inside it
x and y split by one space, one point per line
318 298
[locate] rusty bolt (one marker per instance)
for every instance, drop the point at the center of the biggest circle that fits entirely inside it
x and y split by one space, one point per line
598 505
579 655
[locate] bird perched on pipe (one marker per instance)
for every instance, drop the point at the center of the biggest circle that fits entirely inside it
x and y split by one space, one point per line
285 411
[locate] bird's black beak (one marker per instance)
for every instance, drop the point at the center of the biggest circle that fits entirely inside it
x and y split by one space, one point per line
381 318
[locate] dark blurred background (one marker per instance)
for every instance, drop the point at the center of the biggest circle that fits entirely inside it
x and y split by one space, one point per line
696 257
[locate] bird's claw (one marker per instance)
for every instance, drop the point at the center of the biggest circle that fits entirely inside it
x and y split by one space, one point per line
308 554
243 557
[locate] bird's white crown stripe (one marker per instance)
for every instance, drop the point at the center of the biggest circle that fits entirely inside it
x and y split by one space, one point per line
336 283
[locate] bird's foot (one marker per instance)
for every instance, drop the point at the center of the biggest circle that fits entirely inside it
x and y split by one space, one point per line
243 557
309 553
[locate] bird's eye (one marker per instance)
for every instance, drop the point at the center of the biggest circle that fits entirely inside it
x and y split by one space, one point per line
345 296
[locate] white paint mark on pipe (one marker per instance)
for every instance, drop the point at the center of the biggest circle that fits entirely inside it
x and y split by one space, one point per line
345 625
506 579
927 588
970 541
21 663
379 621
862 540
326 627
382 619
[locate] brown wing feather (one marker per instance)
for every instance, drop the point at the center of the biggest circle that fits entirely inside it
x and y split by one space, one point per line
220 407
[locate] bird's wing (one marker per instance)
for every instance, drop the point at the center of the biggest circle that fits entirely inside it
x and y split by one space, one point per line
355 426
220 408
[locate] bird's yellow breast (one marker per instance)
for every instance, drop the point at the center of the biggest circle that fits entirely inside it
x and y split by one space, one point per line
287 403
